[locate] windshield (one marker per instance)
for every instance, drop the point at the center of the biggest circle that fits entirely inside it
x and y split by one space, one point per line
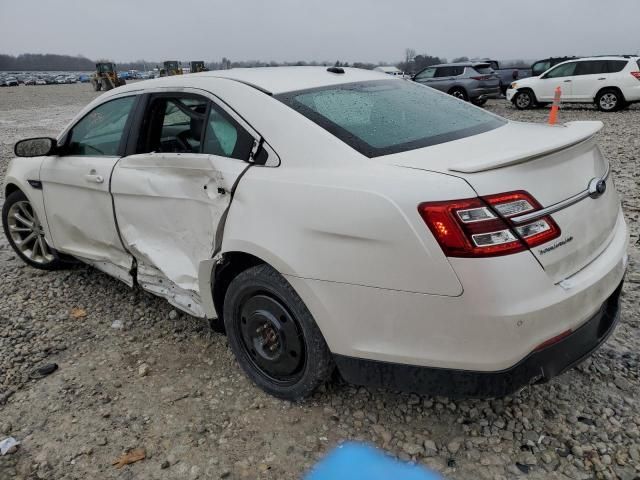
389 116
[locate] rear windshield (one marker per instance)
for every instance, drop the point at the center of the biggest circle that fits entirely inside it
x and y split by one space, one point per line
483 69
382 117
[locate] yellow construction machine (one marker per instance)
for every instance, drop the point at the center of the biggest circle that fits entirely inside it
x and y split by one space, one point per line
106 77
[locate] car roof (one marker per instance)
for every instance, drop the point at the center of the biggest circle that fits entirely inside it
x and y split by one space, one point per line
271 80
601 57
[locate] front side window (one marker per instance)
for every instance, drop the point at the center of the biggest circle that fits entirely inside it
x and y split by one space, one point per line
564 70
389 116
99 132
427 73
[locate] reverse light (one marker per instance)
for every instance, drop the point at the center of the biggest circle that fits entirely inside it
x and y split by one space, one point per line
482 227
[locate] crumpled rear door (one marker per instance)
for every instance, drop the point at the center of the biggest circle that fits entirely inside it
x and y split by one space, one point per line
168 207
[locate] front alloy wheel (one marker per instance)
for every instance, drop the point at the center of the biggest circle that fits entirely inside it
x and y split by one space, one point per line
523 100
26 234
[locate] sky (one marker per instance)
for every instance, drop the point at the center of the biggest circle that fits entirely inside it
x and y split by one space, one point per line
321 30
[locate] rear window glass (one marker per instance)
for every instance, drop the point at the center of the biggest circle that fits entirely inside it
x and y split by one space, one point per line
389 116
483 69
617 65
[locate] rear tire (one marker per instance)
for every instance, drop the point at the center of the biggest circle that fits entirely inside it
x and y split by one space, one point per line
459 93
524 99
273 335
479 103
24 231
609 100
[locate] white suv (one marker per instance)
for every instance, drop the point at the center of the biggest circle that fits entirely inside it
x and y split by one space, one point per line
612 83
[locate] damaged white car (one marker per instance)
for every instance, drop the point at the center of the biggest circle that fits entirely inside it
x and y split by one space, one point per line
328 217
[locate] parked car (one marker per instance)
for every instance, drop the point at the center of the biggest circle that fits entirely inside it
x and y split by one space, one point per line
508 75
471 81
337 217
29 81
541 66
611 83
40 81
60 80
11 82
390 70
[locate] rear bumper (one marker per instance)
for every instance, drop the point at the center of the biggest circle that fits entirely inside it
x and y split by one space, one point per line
538 367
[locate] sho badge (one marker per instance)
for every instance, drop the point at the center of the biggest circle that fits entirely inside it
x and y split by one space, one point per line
557 244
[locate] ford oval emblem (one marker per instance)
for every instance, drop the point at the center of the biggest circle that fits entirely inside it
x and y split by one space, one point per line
597 187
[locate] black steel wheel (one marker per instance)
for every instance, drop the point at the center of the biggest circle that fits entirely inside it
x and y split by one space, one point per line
273 335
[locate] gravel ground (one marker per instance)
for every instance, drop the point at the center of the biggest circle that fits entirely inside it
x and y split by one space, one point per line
134 373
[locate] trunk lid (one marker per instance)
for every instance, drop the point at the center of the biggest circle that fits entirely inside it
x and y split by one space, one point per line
553 164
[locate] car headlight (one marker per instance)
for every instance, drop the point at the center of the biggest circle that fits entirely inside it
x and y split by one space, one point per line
513 86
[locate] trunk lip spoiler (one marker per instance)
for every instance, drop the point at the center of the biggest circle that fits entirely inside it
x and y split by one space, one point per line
585 131
556 207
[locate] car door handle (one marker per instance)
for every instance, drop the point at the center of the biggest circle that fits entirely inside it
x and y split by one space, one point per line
602 78
94 178
567 81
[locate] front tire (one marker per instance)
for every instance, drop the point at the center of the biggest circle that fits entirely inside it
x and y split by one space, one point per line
609 100
524 100
273 335
24 231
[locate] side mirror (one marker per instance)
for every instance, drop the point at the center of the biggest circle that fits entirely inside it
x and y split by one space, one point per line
35 147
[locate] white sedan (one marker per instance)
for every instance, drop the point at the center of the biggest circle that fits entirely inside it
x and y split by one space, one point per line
328 217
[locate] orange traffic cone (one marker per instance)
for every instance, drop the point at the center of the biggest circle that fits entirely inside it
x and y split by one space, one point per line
553 115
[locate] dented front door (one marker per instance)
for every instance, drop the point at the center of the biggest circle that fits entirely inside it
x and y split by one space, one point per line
168 207
75 186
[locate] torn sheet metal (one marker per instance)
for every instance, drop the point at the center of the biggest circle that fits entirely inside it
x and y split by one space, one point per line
153 281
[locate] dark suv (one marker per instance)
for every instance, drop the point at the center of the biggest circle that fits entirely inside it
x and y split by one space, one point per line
471 81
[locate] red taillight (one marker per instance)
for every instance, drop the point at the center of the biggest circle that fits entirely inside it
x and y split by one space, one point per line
484 77
636 74
481 227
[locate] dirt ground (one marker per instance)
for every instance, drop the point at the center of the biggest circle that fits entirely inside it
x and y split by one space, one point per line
135 373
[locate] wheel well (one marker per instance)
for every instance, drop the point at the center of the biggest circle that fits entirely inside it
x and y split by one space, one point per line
10 189
609 88
457 87
232 265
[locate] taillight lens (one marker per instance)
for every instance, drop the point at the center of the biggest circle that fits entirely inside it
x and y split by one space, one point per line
484 77
481 227
636 74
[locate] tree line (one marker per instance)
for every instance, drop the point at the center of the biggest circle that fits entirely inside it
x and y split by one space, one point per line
411 62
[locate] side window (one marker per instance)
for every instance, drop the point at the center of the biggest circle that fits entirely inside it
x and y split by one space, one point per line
427 73
225 137
564 70
443 72
591 67
614 66
99 132
455 71
173 124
